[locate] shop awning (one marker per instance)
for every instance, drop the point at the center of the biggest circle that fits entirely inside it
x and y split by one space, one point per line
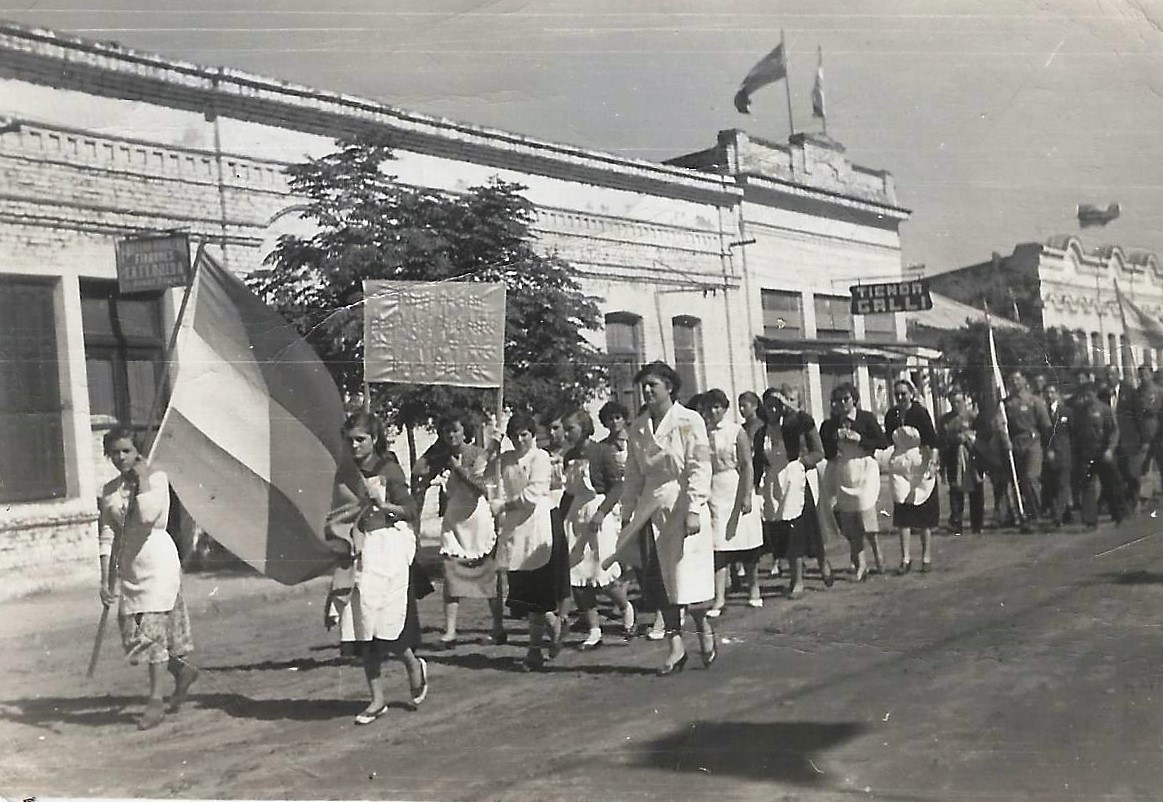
950 315
889 351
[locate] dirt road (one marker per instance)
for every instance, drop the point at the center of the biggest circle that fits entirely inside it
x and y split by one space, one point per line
1025 667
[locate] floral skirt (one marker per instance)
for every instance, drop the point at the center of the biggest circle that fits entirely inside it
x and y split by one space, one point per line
156 637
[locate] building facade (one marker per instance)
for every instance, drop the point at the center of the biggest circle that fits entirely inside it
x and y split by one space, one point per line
1062 284
732 263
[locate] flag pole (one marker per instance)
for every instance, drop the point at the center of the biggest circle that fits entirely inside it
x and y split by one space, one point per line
819 72
787 86
164 374
997 380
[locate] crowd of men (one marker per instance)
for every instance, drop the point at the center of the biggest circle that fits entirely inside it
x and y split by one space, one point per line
1071 454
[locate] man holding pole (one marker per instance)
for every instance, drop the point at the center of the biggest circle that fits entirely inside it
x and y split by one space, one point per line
1028 425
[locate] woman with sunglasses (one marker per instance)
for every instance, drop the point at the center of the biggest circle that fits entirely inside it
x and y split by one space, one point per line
919 509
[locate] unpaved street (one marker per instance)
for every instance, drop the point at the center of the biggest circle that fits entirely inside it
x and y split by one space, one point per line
1025 667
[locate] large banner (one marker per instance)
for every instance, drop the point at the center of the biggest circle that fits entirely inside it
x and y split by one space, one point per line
434 333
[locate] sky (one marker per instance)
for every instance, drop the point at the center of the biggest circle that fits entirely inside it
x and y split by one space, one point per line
996 117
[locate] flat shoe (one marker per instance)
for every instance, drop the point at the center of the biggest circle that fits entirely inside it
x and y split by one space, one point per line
447 643
906 566
755 603
926 567
421 693
589 645
795 593
367 717
714 612
153 715
829 579
656 634
500 637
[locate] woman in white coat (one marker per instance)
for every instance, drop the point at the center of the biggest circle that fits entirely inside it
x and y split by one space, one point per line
664 504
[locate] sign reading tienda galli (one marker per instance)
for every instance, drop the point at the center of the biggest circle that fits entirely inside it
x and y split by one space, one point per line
896 296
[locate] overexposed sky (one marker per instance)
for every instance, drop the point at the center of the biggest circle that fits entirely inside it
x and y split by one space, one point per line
996 117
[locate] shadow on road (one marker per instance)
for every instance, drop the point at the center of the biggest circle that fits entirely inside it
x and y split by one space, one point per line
52 712
1132 578
298 664
785 751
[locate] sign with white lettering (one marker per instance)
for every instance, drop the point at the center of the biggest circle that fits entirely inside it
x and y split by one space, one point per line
153 263
897 296
434 333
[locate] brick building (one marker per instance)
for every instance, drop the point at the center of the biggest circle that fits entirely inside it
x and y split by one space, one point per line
732 263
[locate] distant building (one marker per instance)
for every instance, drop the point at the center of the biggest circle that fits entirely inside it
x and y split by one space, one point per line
1062 284
732 263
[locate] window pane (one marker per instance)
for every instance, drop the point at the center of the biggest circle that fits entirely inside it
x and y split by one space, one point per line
96 317
32 462
99 374
624 346
142 380
782 314
139 318
688 356
882 325
833 318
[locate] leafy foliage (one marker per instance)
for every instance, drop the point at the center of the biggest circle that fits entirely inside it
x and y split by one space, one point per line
1052 352
370 226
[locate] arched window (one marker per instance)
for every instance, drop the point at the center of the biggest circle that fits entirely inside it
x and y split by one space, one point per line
688 354
624 349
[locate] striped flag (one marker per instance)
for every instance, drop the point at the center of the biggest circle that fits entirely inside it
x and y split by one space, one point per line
818 88
251 440
768 70
1148 328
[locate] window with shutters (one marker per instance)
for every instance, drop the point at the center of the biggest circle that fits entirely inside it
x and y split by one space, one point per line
625 355
783 314
32 450
124 353
688 354
833 317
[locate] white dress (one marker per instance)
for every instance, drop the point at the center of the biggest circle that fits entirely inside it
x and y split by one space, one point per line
668 474
784 482
730 532
587 549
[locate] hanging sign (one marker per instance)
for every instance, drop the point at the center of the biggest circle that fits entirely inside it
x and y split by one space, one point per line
897 296
153 263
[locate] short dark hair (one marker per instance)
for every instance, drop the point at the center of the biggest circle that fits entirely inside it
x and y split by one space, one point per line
748 395
521 421
846 388
698 401
583 419
716 398
611 410
663 371
370 424
120 433
453 416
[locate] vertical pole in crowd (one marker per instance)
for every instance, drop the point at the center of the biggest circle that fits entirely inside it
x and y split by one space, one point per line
999 383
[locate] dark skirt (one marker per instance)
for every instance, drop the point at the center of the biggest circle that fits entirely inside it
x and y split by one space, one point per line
542 589
745 556
559 558
800 537
650 581
409 637
926 515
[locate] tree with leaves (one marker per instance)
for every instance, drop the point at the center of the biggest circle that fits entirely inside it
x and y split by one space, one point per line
371 226
1052 352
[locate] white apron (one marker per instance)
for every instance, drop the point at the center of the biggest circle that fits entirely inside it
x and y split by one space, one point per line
783 482
526 539
379 601
587 549
730 532
467 529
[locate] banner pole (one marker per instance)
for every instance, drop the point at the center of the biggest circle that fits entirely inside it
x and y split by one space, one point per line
1001 405
164 374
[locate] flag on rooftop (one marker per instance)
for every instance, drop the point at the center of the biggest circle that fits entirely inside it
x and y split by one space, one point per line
1137 323
818 88
251 439
768 70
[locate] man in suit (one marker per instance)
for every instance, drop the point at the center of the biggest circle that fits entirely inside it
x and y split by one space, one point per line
1029 426
1095 437
1056 482
1123 399
1150 406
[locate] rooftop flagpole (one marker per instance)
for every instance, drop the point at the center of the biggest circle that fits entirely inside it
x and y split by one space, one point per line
787 86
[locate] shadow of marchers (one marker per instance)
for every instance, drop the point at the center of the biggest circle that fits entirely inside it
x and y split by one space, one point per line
109 710
298 664
785 751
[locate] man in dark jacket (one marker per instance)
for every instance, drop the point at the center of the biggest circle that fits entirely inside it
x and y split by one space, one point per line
1056 482
957 434
1095 436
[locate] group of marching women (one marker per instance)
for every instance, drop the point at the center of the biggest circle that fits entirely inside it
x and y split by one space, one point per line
678 498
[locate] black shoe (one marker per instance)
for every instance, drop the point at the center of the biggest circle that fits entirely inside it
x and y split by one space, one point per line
673 668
